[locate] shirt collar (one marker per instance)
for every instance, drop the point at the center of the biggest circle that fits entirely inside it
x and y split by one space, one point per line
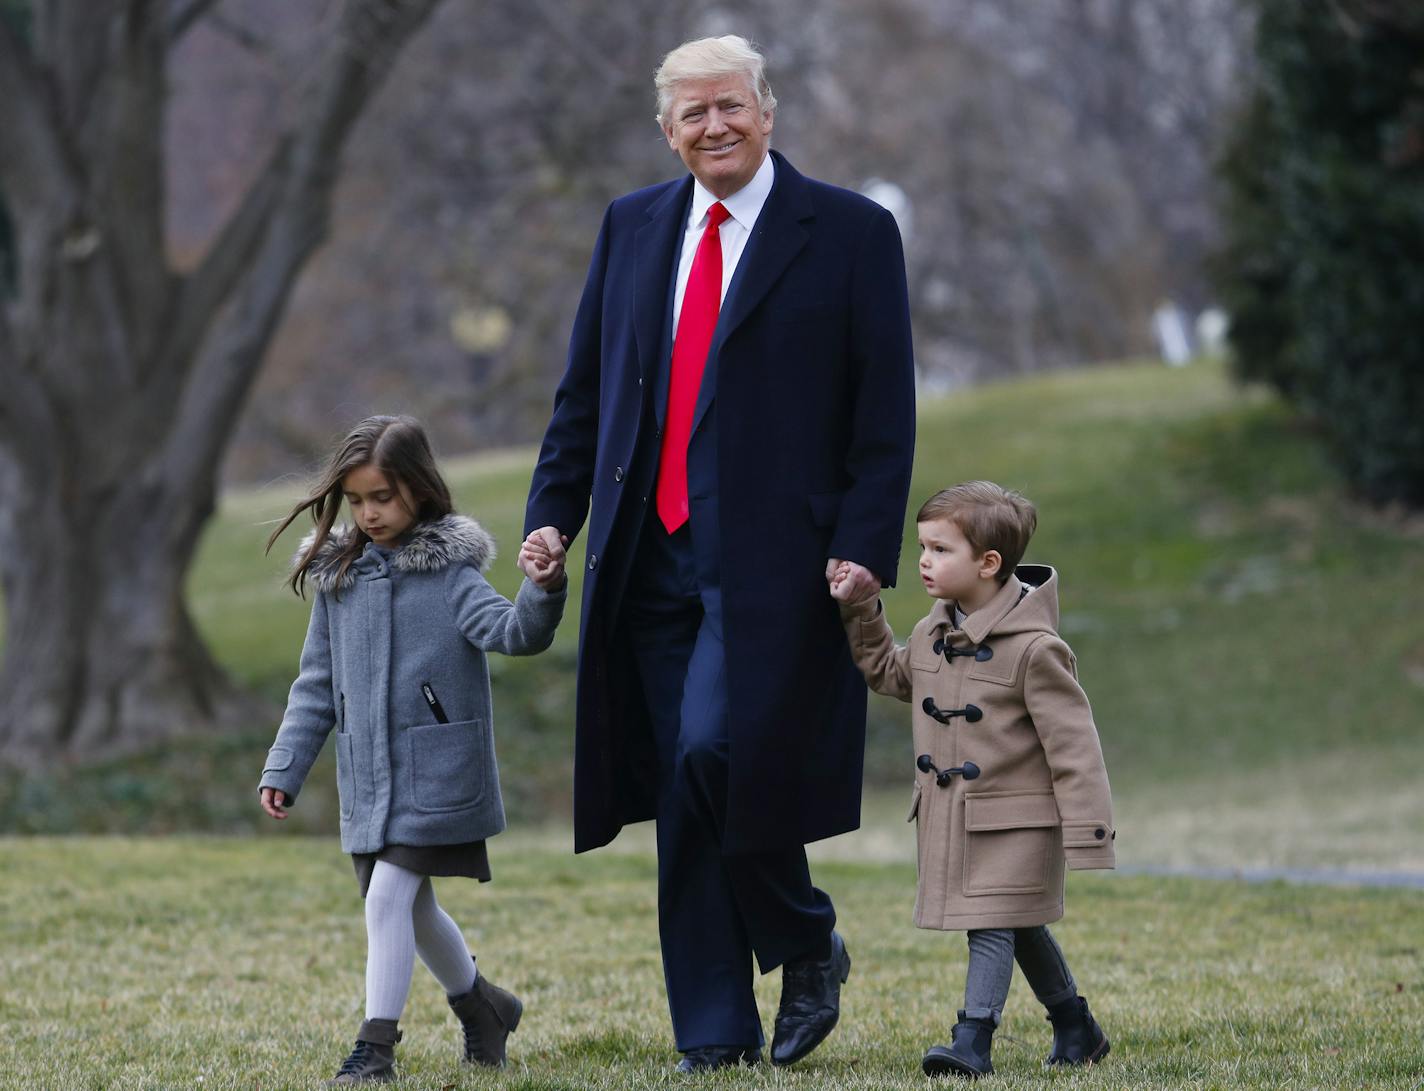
744 206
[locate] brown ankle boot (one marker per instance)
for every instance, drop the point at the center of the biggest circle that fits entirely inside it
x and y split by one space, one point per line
489 1015
373 1060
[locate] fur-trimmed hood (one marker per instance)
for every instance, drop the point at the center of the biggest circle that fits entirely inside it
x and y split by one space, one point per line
428 547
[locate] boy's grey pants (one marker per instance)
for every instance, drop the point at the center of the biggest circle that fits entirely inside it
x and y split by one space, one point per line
992 952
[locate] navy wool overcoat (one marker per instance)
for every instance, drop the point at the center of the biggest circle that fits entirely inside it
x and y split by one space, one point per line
801 451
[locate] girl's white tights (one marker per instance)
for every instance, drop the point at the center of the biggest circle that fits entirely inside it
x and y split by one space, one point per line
403 919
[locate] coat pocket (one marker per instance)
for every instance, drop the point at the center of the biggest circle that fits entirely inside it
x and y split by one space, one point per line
345 774
449 765
1010 839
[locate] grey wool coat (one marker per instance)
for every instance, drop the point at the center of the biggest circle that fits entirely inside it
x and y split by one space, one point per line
394 622
992 849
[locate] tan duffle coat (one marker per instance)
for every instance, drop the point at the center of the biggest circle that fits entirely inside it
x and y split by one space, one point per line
992 848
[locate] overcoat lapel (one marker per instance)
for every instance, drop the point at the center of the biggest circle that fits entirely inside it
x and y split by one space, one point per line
655 250
778 237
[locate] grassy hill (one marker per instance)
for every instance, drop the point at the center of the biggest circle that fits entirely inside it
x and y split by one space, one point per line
1248 636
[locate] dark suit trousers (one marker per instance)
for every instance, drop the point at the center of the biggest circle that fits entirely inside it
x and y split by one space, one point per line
714 911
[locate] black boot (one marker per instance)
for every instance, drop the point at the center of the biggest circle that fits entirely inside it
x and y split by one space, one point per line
373 1060
489 1015
1077 1038
967 1055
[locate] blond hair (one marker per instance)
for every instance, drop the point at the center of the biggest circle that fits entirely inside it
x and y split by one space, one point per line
712 58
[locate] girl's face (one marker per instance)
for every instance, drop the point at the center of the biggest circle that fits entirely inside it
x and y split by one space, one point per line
383 508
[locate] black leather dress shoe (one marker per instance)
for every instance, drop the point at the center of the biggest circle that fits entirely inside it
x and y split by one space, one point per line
810 1003
707 1058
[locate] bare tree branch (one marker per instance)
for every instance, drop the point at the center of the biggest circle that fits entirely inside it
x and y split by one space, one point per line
202 294
244 37
371 35
126 171
71 40
9 365
185 14
32 161
25 412
558 24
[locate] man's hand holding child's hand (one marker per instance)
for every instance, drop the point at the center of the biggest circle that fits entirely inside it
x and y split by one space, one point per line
851 583
542 557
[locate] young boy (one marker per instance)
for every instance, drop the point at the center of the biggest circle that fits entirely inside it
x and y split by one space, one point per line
1010 778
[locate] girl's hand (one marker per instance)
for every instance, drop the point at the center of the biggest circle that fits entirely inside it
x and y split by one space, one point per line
541 558
547 577
274 802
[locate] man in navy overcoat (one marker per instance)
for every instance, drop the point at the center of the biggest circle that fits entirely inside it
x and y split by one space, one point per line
715 689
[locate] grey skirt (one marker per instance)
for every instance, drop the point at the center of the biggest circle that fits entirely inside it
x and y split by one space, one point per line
469 861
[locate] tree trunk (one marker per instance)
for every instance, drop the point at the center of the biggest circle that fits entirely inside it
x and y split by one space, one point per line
102 657
120 380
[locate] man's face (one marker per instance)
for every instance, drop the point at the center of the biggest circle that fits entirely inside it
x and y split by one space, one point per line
718 130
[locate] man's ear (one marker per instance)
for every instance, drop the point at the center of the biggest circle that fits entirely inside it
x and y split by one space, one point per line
990 563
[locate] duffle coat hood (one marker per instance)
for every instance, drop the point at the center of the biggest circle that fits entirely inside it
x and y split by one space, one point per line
1000 694
397 621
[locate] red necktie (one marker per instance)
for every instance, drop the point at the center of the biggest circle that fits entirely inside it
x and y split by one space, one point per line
701 300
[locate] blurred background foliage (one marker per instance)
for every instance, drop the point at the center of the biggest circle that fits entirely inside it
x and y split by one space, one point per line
1323 268
1050 162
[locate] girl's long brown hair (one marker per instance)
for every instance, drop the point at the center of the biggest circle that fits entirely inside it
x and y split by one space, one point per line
399 448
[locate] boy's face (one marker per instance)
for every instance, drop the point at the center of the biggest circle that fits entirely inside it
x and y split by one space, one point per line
948 567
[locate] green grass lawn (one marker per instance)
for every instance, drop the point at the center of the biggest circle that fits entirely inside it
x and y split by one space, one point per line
1249 637
237 963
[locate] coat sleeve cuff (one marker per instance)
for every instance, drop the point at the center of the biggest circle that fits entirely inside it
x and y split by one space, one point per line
1088 845
544 594
860 611
278 773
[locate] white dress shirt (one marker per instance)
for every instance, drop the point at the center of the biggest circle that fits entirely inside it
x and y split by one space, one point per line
743 208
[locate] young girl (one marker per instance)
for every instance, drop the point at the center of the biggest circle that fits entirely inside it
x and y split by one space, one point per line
394 660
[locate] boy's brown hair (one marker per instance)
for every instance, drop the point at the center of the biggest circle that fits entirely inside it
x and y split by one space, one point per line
989 516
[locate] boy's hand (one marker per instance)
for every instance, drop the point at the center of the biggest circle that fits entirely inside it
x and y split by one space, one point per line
274 802
542 557
851 583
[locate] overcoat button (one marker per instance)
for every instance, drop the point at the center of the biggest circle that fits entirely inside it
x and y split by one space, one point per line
984 654
938 647
592 561
1100 833
618 474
